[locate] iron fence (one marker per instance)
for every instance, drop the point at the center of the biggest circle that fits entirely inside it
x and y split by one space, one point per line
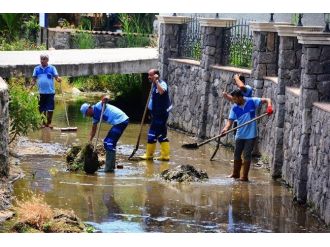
190 38
238 44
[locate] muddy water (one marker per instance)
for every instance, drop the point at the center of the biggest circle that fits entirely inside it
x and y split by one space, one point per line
135 199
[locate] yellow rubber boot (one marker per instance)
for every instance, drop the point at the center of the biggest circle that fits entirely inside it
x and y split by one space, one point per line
149 155
164 151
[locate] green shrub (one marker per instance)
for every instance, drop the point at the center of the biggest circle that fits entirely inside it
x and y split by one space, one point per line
19 45
240 52
117 84
31 27
135 31
83 40
23 110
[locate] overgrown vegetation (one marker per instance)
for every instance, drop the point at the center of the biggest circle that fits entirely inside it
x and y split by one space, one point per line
117 84
136 28
197 50
16 37
240 52
83 40
23 109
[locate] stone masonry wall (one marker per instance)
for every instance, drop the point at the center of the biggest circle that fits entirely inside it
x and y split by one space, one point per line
291 137
184 83
267 125
318 191
4 125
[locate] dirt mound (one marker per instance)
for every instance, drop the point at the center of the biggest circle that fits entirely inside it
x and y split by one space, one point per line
184 173
83 158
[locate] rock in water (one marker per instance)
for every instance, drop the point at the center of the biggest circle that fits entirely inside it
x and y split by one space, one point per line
184 173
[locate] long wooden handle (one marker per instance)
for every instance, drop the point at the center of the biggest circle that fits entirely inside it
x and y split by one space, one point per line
66 112
143 118
99 127
231 130
220 121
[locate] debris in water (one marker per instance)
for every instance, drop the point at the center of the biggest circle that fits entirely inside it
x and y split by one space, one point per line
82 158
184 173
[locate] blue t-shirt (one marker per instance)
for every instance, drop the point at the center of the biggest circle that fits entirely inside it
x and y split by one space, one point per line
248 92
163 85
244 113
111 115
45 77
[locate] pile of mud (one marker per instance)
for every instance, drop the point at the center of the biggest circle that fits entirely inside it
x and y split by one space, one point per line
82 158
184 173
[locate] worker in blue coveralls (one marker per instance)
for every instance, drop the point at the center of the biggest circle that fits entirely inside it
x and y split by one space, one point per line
112 115
159 106
243 110
45 74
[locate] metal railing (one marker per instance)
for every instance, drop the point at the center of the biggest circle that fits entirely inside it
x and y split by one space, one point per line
238 44
190 39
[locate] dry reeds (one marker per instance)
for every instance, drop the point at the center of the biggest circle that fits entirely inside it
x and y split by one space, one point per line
34 211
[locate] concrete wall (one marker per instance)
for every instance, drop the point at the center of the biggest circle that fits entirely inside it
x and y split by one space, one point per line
4 126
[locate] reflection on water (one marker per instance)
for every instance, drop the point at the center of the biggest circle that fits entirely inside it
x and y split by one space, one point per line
134 199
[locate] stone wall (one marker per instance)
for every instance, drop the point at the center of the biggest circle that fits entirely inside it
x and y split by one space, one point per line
318 191
184 81
267 125
291 136
63 38
4 125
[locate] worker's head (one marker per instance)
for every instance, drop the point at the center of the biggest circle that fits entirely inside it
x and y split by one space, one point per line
152 73
237 96
86 110
44 58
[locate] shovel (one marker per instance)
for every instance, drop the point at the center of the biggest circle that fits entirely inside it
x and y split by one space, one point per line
197 145
220 121
143 117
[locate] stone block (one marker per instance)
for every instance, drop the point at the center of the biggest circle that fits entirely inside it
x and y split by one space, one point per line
266 57
209 50
314 67
260 71
286 43
306 121
209 40
271 41
308 97
258 84
324 91
313 54
323 77
325 53
326 67
309 81
287 59
271 70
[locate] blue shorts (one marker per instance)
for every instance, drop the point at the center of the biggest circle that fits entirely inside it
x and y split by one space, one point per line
46 102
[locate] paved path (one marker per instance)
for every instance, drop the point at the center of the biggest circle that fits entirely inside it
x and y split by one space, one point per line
75 62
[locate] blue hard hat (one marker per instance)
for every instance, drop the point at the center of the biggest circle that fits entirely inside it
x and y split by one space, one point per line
84 107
